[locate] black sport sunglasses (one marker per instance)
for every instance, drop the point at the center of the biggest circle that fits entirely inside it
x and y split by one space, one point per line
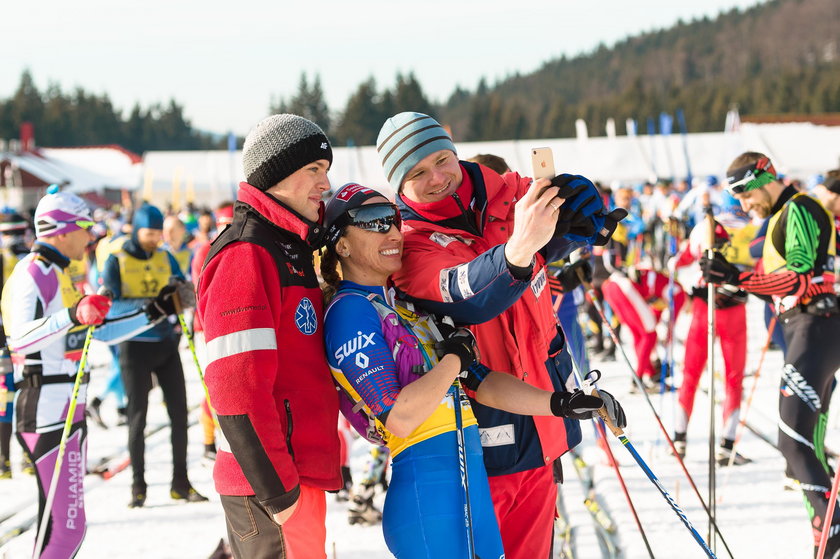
371 217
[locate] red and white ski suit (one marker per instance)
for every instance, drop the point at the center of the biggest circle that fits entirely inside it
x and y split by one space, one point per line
730 327
639 305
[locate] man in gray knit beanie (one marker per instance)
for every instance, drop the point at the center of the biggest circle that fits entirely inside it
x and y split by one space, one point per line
280 145
267 376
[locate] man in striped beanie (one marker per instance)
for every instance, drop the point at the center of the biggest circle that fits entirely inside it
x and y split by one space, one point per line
476 245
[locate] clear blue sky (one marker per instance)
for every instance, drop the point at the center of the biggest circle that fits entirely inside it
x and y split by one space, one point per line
224 61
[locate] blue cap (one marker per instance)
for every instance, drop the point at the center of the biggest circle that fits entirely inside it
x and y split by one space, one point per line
405 139
148 217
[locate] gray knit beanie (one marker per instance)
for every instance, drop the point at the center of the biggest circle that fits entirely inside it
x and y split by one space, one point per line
405 139
280 145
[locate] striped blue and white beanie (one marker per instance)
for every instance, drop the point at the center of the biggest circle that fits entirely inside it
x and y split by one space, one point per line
405 139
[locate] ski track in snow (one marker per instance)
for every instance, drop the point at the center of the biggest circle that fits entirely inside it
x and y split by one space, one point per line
755 514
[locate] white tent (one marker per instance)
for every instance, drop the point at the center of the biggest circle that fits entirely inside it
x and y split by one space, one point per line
798 150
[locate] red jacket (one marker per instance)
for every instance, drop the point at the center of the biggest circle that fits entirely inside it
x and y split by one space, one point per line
267 374
464 274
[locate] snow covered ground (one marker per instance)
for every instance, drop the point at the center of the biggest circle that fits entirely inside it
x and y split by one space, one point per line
757 517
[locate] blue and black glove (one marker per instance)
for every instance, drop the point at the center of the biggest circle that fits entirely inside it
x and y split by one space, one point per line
580 197
583 216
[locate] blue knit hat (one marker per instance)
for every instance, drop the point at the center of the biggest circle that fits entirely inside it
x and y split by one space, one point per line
147 217
405 139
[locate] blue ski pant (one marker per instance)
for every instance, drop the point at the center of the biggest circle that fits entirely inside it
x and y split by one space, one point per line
424 513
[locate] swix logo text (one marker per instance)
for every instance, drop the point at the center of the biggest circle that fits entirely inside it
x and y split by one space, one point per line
795 384
360 342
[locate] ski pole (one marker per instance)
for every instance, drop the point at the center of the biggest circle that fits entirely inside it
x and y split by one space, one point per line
462 452
710 368
465 478
191 343
590 388
668 363
829 515
591 292
65 434
599 430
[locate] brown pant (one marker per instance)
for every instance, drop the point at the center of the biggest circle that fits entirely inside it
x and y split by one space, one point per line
253 534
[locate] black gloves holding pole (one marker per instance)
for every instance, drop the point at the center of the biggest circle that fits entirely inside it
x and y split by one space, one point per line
574 405
164 303
569 276
719 270
579 405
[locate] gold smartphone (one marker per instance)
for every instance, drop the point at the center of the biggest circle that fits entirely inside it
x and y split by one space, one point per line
542 164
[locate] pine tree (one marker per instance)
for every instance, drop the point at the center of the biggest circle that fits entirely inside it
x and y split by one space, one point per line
362 116
409 96
308 102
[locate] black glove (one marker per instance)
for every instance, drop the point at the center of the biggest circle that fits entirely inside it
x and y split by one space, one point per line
575 405
719 270
460 342
474 376
614 409
569 185
580 226
569 276
606 228
164 303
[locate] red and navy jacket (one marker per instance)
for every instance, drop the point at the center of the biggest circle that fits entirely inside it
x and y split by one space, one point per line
267 372
457 267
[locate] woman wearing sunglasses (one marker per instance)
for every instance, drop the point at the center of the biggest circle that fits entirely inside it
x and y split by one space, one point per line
404 366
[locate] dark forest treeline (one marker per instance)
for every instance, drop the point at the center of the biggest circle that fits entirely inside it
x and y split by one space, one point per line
779 57
80 118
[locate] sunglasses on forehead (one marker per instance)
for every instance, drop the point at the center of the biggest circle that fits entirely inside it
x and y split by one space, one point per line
752 176
81 223
372 217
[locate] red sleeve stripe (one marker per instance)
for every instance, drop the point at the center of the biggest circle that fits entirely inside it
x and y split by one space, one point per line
781 285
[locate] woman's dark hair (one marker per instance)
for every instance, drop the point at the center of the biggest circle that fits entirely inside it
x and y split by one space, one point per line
329 273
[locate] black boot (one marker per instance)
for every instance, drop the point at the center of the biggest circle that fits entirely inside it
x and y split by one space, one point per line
5 450
92 411
186 493
26 465
724 455
361 509
680 444
138 496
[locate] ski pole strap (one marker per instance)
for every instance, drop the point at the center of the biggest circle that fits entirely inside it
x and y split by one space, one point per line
588 387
